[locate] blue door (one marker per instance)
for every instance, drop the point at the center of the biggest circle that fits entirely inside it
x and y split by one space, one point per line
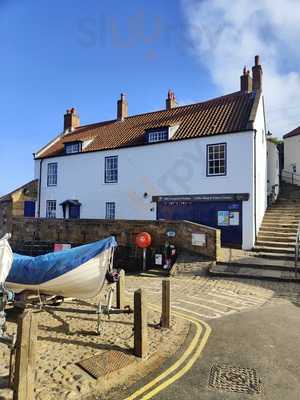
226 216
29 208
74 211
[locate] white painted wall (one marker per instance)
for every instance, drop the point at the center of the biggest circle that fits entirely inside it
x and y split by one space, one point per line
273 168
160 169
261 164
292 157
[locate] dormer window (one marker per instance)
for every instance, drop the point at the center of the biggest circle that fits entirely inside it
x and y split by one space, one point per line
158 135
73 147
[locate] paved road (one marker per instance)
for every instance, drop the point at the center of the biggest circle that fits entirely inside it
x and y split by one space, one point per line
205 298
253 351
248 356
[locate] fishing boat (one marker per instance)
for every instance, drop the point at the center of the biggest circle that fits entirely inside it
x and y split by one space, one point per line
6 258
78 272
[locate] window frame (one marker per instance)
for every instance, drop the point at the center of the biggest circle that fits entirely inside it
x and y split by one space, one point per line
158 135
110 213
208 160
48 210
111 170
50 174
71 146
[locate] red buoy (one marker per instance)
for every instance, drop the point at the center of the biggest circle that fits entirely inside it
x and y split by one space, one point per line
143 240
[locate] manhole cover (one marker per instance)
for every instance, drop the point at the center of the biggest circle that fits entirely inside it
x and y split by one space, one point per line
234 379
106 363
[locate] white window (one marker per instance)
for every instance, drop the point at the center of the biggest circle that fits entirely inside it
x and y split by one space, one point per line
158 136
110 210
51 209
52 174
72 148
216 159
111 169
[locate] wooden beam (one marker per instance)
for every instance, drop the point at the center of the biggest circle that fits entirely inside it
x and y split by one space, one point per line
121 298
140 324
24 380
166 304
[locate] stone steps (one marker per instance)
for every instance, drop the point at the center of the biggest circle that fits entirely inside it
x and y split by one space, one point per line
276 239
252 272
278 224
281 256
276 244
275 249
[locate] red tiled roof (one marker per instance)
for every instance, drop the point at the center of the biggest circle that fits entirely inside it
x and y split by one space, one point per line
224 114
295 132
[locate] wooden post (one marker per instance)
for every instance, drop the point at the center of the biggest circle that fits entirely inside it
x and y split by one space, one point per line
121 291
166 304
140 324
25 356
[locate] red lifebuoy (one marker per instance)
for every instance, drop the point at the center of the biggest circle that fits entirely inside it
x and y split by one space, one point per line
143 240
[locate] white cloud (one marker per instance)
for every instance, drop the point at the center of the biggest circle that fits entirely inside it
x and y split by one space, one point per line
227 34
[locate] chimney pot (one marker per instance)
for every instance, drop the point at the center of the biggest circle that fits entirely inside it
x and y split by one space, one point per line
257 73
122 108
171 100
71 120
246 81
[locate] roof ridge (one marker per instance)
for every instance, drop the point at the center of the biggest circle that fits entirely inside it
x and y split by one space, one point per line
292 133
187 105
215 99
17 189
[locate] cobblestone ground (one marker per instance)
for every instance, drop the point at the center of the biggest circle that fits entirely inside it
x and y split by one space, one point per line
211 297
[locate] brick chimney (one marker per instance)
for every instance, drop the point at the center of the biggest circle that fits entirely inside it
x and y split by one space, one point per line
246 81
71 120
257 74
171 100
122 112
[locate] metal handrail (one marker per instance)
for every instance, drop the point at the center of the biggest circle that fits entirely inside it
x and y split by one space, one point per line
290 175
297 245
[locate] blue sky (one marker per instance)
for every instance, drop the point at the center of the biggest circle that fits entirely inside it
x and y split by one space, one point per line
61 54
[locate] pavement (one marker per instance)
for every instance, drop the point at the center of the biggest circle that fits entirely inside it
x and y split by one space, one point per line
248 341
253 355
249 264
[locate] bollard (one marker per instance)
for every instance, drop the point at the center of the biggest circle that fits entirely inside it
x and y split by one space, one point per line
166 304
140 324
25 356
121 291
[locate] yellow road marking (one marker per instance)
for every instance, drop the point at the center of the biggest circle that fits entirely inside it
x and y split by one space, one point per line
184 370
179 362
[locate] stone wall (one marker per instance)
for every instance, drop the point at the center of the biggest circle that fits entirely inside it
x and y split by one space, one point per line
5 217
84 231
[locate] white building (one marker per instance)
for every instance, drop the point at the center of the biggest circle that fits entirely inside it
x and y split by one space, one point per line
291 171
203 162
273 176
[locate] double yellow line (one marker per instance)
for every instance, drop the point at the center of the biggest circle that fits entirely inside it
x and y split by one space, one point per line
192 353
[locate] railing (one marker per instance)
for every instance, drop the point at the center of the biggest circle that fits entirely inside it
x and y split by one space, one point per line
290 177
297 245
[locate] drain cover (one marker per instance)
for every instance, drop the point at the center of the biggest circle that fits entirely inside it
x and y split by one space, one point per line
106 363
234 379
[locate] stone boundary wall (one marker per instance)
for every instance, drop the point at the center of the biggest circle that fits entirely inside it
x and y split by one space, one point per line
5 217
89 230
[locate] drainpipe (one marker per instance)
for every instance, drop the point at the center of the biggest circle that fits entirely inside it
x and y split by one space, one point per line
40 187
254 191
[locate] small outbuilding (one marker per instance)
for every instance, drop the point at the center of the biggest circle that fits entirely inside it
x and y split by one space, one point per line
291 172
19 203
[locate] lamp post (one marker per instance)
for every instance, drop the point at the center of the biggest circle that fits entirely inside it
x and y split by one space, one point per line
143 240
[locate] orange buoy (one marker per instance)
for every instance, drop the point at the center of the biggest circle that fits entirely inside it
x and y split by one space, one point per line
143 240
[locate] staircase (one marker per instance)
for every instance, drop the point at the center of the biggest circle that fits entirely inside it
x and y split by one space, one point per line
277 235
273 256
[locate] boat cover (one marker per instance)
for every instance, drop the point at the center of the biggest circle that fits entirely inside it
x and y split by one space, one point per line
37 270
